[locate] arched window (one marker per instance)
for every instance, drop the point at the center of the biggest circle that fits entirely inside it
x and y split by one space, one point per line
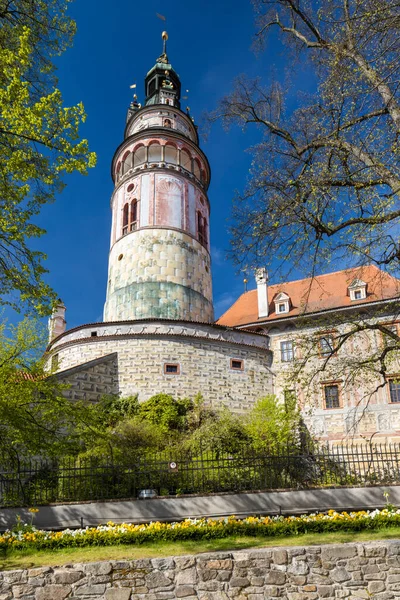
126 162
140 156
170 155
186 161
133 219
203 176
154 153
196 168
125 219
118 170
167 123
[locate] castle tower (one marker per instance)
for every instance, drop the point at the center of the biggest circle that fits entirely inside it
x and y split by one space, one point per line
159 262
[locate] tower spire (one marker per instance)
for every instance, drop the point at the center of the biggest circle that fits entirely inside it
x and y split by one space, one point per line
164 38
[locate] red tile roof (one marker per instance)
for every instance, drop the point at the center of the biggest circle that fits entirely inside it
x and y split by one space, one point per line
322 292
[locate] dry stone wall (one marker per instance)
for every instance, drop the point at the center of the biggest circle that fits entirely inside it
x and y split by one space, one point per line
354 571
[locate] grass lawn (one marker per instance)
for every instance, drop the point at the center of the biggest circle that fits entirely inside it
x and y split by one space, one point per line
20 559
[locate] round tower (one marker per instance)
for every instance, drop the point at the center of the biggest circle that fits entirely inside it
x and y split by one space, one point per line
159 262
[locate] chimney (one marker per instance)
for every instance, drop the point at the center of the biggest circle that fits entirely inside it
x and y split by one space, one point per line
262 292
57 322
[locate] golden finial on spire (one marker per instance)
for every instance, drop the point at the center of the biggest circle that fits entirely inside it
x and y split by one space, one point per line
164 38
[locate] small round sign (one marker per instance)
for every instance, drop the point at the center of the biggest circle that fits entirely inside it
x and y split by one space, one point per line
173 466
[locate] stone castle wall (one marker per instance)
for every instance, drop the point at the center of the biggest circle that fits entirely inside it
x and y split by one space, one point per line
354 571
203 354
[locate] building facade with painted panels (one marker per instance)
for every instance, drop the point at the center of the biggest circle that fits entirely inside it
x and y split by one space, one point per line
159 334
327 337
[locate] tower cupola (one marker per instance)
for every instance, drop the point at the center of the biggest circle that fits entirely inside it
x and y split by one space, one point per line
162 83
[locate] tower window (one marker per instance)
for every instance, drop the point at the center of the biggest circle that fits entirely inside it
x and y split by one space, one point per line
125 219
133 219
171 369
154 153
237 364
129 218
202 229
186 161
139 157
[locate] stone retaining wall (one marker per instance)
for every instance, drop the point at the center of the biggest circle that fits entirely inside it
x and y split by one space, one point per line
354 571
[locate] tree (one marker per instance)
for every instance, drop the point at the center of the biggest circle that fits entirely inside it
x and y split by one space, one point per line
272 425
35 418
325 181
39 140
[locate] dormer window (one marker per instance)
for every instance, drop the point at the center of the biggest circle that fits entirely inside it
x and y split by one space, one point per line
357 290
282 303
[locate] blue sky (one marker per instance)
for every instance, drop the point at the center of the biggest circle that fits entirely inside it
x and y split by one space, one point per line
116 44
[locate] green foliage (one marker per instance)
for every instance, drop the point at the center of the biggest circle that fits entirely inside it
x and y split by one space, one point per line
35 418
272 424
165 412
222 432
39 140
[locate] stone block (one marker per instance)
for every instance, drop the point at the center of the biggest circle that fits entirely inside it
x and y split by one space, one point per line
239 582
340 574
90 590
63 576
187 576
280 557
275 577
183 591
335 553
376 586
157 580
118 594
52 592
325 591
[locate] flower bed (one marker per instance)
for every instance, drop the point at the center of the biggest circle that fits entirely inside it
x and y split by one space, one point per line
27 536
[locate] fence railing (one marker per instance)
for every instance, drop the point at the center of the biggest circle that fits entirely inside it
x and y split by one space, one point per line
36 482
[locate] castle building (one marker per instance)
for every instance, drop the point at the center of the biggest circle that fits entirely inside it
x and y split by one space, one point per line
159 334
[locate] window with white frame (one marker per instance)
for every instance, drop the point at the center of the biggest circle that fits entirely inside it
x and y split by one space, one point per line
282 303
287 351
357 290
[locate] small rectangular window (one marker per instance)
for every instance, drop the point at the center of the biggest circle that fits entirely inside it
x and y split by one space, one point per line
326 346
171 368
331 393
394 390
282 308
237 364
93 334
357 295
287 354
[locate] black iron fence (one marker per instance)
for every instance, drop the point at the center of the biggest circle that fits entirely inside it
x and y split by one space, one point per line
35 482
